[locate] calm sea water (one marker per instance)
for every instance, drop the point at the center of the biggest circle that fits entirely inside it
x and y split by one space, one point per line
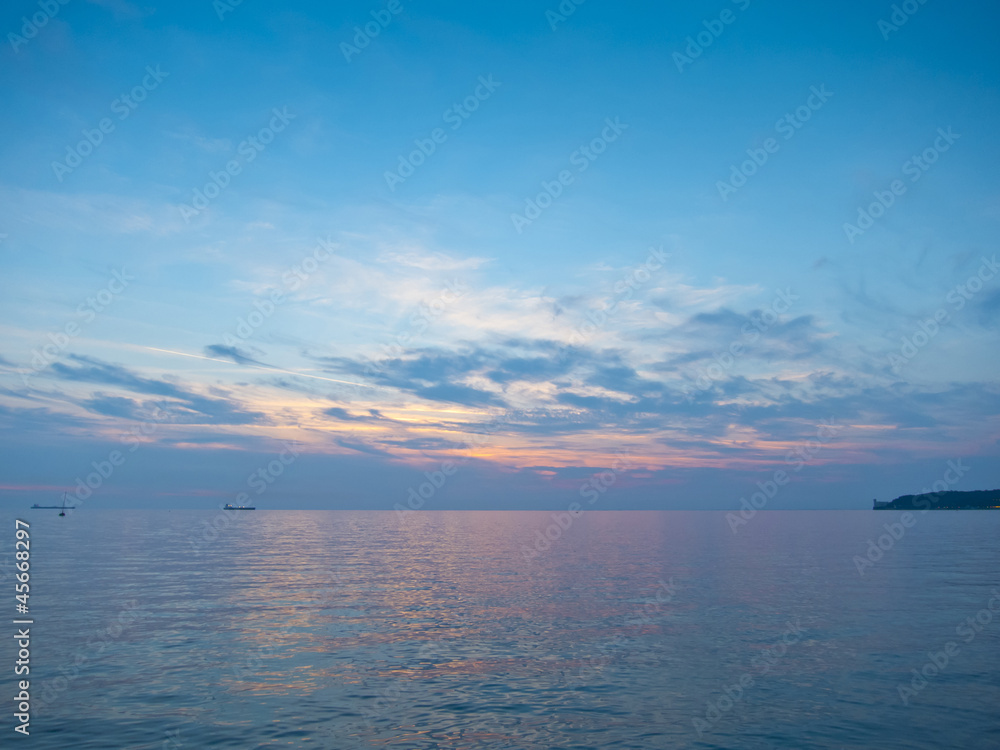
453 630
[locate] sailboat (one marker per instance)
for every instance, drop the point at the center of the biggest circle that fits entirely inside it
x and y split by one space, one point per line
62 508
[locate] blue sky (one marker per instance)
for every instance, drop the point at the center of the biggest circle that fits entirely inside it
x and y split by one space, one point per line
477 323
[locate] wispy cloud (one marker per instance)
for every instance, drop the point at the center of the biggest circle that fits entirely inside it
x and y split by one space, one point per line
432 262
188 405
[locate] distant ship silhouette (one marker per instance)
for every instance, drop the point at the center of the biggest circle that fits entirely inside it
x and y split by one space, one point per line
61 508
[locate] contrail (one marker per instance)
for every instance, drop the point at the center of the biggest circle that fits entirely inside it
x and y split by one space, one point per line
258 367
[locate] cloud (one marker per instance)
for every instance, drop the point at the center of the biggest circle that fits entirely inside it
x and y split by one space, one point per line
91 214
209 145
989 309
461 376
557 379
38 421
428 444
362 446
188 407
459 394
114 406
432 261
566 394
711 351
237 355
344 416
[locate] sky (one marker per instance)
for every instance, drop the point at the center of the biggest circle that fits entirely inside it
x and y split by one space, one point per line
439 255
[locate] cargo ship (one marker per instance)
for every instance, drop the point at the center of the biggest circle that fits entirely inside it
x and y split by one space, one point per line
61 508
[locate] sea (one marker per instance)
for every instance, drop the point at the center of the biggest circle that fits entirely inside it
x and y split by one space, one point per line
467 629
